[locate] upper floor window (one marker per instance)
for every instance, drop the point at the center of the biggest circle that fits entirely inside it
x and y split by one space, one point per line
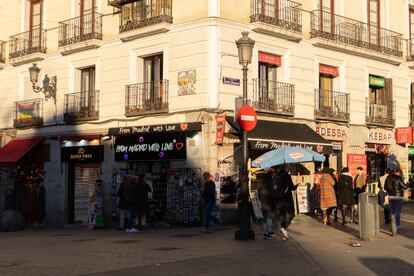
374 21
86 6
411 27
36 7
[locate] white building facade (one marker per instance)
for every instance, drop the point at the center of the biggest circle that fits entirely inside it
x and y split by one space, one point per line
139 85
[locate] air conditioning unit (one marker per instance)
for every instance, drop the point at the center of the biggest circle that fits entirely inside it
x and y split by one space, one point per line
378 111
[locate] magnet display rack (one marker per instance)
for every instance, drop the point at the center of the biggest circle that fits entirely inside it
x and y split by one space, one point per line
183 192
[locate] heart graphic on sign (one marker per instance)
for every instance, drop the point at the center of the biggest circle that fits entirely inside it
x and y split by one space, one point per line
183 126
179 146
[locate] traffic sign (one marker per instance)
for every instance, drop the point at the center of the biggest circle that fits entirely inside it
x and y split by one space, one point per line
247 117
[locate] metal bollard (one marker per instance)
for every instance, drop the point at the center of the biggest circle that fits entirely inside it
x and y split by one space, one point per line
368 216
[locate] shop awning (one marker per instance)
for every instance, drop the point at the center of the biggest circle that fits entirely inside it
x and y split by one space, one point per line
268 135
16 149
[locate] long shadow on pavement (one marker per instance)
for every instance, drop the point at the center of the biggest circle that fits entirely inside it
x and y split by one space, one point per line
387 266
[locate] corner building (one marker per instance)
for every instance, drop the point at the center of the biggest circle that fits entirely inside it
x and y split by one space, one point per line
143 86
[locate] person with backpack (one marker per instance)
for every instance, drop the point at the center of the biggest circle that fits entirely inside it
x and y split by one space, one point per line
268 203
328 198
395 186
129 202
282 193
209 199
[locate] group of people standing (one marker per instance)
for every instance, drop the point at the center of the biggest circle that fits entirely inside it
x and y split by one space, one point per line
136 200
342 193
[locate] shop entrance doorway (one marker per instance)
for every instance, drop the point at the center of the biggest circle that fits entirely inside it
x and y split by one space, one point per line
81 190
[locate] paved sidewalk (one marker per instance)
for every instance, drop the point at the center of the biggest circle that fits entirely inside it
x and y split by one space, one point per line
314 249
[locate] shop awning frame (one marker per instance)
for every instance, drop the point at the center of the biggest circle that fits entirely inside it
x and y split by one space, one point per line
14 150
273 134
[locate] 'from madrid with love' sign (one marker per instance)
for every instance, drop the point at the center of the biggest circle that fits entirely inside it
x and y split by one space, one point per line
247 118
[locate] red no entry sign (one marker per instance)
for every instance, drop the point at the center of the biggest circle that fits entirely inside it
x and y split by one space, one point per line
247 117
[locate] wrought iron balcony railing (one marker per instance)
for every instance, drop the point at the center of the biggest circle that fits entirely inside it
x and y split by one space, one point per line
145 13
28 113
352 32
81 28
274 97
331 105
2 51
27 43
146 97
380 113
285 14
81 106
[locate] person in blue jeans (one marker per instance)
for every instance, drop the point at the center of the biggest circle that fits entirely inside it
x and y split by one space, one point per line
209 197
395 186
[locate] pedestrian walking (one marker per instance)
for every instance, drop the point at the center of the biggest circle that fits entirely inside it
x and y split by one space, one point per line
141 201
327 194
209 201
268 204
122 206
128 188
382 197
359 187
395 186
282 191
345 196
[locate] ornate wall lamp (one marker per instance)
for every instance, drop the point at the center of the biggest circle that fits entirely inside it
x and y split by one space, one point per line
49 84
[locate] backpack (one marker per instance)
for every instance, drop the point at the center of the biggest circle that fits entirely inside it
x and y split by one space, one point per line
278 190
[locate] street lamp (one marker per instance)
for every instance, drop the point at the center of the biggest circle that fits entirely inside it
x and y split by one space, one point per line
49 84
245 47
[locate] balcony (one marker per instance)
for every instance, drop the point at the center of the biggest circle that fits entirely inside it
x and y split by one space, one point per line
2 54
27 47
80 33
143 18
146 98
380 114
81 106
277 18
274 97
28 113
351 36
331 105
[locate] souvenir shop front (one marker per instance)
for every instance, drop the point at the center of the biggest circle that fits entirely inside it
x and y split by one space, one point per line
21 178
161 151
82 157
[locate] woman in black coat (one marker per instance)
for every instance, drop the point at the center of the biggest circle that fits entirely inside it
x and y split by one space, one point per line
141 200
346 196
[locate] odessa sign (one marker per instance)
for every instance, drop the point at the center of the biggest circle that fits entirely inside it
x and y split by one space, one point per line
247 117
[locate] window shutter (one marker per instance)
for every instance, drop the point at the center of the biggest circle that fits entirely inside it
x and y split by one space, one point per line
388 90
412 93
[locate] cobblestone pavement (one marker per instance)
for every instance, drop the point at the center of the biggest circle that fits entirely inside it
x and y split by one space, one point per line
314 249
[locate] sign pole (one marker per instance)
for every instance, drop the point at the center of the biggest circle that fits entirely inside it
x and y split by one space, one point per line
244 232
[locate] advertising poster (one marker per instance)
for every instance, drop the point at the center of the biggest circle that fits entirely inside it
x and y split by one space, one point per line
302 199
220 127
356 160
187 82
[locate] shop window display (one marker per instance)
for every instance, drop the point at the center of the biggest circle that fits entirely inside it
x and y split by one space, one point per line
30 193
